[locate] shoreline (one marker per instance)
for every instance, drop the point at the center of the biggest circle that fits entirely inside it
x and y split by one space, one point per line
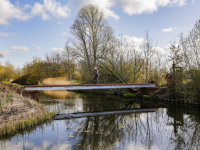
18 112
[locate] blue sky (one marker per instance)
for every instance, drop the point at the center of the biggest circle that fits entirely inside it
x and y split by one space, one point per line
33 28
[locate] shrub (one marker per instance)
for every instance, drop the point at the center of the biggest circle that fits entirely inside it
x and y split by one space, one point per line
27 79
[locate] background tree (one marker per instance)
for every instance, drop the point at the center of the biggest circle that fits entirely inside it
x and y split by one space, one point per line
93 36
148 51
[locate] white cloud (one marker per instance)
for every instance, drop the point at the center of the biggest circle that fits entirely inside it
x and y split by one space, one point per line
60 22
51 9
57 49
6 53
105 5
9 12
139 7
110 14
168 30
132 7
38 47
6 34
20 48
178 2
64 33
193 1
133 40
27 6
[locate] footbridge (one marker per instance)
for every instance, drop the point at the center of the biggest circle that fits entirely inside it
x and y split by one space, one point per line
145 89
87 86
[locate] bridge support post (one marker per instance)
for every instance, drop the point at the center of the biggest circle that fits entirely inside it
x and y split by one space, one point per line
33 95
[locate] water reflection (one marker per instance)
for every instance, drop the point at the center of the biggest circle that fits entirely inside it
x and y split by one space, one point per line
74 103
166 129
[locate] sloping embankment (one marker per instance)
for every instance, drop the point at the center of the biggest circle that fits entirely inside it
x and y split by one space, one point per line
18 112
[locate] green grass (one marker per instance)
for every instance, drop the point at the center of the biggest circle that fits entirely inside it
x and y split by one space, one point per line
6 82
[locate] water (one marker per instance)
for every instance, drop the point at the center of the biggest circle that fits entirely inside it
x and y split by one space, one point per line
169 128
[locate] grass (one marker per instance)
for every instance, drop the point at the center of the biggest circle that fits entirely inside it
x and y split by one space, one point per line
20 125
6 82
25 124
6 98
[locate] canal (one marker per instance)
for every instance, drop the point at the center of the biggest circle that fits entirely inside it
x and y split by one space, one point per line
170 127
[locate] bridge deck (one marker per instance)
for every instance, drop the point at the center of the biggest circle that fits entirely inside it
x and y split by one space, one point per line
86 86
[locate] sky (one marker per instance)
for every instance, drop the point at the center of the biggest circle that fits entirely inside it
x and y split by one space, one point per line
33 28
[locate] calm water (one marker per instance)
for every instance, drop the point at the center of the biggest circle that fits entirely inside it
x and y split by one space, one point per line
169 128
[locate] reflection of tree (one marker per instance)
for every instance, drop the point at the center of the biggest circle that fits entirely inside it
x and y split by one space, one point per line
149 130
137 127
74 103
186 128
177 116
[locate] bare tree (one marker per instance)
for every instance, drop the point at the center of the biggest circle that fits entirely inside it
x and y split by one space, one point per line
148 52
92 34
53 60
67 61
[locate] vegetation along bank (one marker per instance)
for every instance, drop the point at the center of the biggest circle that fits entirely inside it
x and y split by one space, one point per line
18 112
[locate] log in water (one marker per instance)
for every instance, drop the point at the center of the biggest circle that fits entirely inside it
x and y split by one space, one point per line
94 114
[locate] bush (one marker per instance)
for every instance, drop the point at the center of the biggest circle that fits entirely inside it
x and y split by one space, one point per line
27 79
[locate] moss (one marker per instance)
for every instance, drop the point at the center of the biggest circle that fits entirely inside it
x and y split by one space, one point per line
146 97
25 124
129 96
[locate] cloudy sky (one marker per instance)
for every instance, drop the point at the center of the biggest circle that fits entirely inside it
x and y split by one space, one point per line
32 28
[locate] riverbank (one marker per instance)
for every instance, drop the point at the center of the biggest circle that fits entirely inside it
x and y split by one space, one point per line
163 94
18 112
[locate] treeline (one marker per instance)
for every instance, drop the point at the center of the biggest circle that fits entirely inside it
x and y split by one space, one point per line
8 72
54 65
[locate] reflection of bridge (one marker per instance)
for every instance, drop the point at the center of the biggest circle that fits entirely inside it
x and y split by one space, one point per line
145 89
102 113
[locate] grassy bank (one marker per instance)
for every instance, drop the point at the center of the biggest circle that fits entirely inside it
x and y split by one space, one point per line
18 112
14 128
